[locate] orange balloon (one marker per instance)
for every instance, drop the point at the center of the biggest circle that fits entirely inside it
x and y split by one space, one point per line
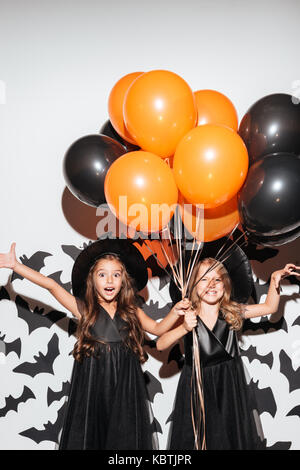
210 165
159 109
209 224
215 108
116 102
141 191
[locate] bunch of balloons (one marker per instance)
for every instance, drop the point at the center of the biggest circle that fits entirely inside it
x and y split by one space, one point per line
269 200
165 145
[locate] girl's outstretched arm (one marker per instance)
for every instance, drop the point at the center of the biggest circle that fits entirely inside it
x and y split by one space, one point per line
169 338
159 328
67 300
272 301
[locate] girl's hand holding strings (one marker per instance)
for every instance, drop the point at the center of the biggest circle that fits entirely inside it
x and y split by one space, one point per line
190 320
9 260
288 270
182 306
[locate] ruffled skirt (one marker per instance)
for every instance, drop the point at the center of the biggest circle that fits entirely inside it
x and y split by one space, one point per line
229 418
108 406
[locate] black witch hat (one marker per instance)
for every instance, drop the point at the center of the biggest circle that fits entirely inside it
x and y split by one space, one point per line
235 261
123 248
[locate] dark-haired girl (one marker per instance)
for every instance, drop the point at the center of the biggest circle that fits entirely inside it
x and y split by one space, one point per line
107 405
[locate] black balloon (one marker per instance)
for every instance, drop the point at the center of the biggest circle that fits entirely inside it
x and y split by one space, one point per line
85 165
271 125
107 129
269 200
276 240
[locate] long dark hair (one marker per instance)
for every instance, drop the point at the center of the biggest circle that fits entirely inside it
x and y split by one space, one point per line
86 344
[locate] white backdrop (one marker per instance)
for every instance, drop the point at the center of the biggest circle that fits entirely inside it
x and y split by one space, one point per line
58 63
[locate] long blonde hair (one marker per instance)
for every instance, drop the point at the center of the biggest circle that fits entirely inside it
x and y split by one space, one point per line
231 311
86 344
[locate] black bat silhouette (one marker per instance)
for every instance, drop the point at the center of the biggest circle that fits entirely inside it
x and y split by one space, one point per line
170 418
293 280
265 325
287 370
57 277
56 396
72 327
154 312
73 251
265 401
251 353
297 321
50 431
44 363
11 403
259 290
155 426
153 385
295 411
36 262
176 355
4 295
36 319
280 446
14 346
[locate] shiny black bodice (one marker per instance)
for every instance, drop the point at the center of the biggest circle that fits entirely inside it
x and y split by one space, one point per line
217 345
107 329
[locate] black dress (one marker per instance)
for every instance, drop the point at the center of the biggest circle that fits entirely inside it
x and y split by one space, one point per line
108 406
229 419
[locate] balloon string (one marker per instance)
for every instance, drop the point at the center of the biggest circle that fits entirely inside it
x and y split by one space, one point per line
197 398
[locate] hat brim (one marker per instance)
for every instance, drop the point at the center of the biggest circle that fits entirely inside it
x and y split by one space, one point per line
237 264
123 248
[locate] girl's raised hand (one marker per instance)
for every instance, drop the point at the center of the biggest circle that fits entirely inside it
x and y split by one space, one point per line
9 260
182 306
190 320
289 270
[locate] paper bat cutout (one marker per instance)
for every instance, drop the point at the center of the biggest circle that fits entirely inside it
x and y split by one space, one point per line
280 446
155 426
297 321
170 418
11 403
265 325
295 411
50 431
72 250
72 327
14 346
35 319
43 363
293 280
36 261
56 277
153 311
287 370
259 290
251 353
265 401
4 295
56 396
176 355
153 385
